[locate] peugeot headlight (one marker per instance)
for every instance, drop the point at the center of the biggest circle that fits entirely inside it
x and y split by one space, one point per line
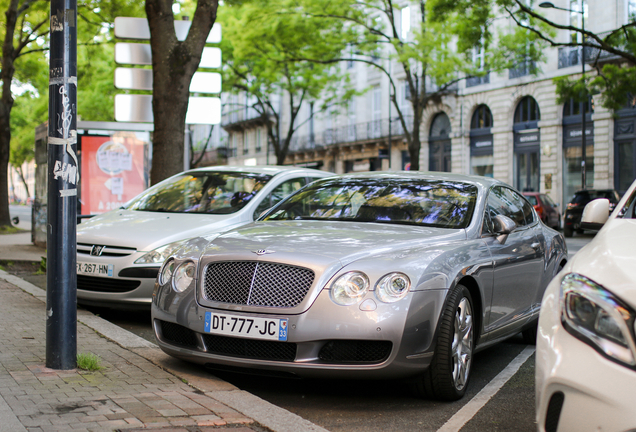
183 276
166 272
599 318
350 288
160 254
392 287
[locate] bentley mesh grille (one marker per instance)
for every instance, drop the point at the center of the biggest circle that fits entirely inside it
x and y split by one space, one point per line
248 348
352 351
256 283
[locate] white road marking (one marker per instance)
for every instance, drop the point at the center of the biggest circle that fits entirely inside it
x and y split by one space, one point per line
469 410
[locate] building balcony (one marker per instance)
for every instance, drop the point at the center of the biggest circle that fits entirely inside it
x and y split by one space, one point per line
242 119
360 132
524 68
475 81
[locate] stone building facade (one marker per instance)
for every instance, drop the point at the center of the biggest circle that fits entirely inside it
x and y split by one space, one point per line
506 125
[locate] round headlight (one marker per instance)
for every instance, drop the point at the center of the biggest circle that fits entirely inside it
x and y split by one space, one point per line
183 276
392 287
166 273
350 288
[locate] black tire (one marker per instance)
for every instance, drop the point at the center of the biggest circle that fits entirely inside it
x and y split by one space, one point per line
568 231
449 372
530 334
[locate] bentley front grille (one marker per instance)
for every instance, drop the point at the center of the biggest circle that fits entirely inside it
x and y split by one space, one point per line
256 283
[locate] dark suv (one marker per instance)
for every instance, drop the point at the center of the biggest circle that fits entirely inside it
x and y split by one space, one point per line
574 209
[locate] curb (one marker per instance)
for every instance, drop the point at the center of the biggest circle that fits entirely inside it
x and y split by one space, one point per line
266 414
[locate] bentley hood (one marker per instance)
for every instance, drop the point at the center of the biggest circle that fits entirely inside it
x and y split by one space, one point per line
326 242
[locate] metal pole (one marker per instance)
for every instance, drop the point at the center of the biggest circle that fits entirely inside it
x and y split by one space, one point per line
583 146
63 174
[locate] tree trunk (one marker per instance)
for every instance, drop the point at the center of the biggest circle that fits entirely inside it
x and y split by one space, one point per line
6 103
24 182
173 64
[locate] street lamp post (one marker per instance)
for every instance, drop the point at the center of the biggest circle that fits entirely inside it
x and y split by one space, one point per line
549 5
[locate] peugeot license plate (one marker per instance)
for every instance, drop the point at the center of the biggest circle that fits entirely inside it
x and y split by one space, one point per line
249 327
92 269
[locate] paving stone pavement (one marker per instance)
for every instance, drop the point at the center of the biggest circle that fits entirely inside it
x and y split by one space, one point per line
128 393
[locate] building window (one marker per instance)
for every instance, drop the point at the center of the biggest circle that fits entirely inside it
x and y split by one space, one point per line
482 118
527 141
527 110
405 22
572 147
258 141
246 142
576 6
439 144
481 142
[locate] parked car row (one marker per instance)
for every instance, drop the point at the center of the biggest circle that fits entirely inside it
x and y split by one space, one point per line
377 275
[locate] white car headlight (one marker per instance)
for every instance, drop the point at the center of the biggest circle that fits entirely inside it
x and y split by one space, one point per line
392 287
166 272
160 254
598 318
350 288
183 276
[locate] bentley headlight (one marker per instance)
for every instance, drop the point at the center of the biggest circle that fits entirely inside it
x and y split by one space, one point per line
350 288
166 273
160 254
392 287
598 317
183 276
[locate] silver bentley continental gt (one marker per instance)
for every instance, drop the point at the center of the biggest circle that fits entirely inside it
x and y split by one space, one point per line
369 275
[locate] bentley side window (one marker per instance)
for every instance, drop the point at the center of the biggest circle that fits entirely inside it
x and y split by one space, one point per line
502 201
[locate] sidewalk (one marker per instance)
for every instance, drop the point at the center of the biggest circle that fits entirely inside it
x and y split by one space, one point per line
139 388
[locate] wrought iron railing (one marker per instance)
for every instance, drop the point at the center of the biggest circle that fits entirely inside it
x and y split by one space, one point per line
358 132
475 81
522 69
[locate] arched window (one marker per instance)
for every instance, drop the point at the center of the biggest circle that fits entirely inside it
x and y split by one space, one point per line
482 118
527 141
481 142
527 111
439 144
441 127
573 147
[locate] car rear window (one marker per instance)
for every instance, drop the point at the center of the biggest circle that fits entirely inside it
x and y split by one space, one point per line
532 199
409 201
201 192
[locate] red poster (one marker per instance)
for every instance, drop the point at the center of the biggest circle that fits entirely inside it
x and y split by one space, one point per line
113 171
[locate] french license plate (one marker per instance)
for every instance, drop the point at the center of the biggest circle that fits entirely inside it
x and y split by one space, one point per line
95 269
250 327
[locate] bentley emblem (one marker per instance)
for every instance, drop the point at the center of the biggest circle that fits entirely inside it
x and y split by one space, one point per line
97 250
263 252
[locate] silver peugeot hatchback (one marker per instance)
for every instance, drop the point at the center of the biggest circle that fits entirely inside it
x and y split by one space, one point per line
120 252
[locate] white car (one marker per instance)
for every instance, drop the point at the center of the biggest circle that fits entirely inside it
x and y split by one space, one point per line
586 343
120 252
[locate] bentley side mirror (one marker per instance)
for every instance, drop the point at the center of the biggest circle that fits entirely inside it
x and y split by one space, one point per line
595 214
503 226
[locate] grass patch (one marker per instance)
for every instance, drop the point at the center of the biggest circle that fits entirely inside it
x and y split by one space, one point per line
42 269
10 229
89 362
